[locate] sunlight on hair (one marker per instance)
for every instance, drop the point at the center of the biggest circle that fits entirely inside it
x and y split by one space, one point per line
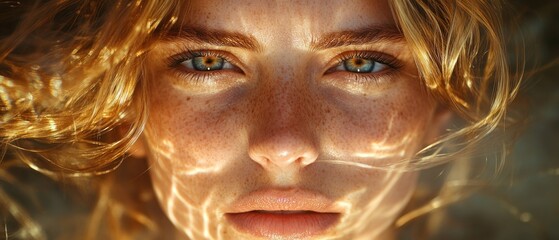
383 150
347 163
5 99
52 125
55 86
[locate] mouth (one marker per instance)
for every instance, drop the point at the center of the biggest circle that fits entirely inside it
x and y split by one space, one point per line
291 224
280 214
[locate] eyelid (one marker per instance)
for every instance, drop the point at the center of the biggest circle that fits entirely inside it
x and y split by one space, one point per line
176 60
392 62
203 82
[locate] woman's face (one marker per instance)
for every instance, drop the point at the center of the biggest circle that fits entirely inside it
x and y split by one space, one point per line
274 119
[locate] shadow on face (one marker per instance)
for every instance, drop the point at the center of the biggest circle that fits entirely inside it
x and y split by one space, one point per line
284 113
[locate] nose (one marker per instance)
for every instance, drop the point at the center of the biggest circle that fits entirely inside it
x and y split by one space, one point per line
283 135
282 147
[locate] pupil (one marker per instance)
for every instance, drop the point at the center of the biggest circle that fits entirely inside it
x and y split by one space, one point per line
209 61
359 65
358 62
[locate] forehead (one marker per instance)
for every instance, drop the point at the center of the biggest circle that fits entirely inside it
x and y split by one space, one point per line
300 19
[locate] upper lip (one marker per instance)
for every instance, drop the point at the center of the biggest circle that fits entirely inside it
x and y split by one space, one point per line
293 199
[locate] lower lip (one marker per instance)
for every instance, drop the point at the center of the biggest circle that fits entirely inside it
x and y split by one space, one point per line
272 224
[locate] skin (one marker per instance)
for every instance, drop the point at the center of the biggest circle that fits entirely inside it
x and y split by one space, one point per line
286 116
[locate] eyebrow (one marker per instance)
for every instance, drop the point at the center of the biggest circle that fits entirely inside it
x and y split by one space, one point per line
214 37
369 35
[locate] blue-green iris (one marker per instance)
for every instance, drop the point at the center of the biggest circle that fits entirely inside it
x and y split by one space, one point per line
208 63
359 65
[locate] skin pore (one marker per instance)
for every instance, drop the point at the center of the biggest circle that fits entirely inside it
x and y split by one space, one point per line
261 109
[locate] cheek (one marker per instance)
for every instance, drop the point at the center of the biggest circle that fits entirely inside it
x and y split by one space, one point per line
374 133
378 131
186 150
194 134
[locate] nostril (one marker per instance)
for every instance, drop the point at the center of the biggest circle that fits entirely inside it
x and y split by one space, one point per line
309 158
260 159
299 157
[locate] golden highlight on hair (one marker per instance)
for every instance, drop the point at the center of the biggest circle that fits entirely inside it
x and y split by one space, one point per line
460 52
71 73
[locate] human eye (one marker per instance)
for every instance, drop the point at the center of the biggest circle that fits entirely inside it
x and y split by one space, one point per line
361 71
364 63
205 71
202 62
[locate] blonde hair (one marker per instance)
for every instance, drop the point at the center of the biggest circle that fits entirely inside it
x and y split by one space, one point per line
461 54
72 74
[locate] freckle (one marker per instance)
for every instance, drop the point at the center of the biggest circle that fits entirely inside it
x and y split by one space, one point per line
188 99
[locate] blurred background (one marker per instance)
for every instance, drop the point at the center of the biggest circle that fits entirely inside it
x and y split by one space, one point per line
524 204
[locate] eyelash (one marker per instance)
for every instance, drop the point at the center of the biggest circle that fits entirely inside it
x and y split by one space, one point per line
175 61
175 64
375 56
391 62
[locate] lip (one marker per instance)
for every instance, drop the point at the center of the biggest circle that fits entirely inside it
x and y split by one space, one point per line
291 213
